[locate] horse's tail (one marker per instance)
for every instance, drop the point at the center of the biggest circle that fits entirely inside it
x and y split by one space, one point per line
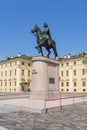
54 48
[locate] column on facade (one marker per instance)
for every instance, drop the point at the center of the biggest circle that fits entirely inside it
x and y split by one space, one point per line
18 79
26 75
71 77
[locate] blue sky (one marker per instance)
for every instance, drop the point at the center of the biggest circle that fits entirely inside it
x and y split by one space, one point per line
67 20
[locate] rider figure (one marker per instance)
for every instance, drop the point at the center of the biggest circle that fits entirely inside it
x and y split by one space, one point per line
36 34
46 33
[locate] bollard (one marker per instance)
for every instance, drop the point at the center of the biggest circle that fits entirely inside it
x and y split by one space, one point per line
45 109
60 102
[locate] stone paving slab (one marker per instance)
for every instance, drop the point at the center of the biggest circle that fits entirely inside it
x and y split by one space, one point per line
2 128
69 118
39 105
5 109
24 104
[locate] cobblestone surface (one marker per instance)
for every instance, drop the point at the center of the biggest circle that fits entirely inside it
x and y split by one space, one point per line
69 118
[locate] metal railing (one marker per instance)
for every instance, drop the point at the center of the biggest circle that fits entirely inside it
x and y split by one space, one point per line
64 100
49 100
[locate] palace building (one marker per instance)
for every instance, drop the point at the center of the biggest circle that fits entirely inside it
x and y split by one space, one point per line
16 74
73 73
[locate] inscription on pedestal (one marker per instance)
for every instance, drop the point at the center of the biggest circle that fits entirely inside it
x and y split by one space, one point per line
34 71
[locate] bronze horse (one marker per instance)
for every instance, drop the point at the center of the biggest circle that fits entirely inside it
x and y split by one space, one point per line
43 42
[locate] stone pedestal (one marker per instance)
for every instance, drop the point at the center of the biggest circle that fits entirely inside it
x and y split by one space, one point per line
45 78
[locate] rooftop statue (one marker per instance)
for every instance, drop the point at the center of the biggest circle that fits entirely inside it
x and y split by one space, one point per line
44 40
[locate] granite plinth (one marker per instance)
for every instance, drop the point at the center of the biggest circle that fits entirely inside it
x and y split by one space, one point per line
45 75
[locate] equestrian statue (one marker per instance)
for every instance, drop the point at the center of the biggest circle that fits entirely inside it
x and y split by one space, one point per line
44 40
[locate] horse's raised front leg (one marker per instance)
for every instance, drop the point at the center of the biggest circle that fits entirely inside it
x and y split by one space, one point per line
48 53
41 51
38 48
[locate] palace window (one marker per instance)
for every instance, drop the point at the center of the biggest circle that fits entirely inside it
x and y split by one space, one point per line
67 90
74 72
84 61
10 72
14 89
22 72
15 72
5 83
62 73
75 90
75 84
28 64
67 73
15 83
84 90
62 64
28 83
83 83
67 84
62 84
67 64
83 71
61 89
5 73
74 62
22 63
29 73
9 83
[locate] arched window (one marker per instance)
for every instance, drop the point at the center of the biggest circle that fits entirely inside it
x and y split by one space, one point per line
67 84
62 84
83 83
75 84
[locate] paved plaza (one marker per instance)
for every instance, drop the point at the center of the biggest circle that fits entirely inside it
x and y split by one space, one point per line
73 117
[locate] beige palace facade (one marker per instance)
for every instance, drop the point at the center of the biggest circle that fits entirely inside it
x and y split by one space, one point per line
16 74
73 73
